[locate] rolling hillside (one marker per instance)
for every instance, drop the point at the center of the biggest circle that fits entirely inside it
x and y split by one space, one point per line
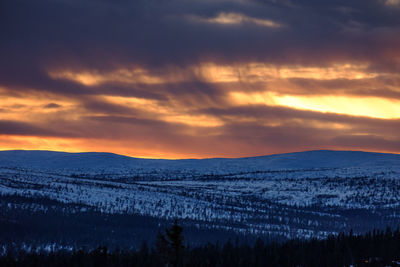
295 195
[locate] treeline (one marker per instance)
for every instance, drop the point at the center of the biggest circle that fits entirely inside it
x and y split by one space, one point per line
376 248
37 222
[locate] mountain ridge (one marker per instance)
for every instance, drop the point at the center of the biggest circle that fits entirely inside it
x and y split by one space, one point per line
177 159
295 160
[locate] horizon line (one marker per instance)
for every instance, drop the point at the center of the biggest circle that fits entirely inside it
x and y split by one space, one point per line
193 158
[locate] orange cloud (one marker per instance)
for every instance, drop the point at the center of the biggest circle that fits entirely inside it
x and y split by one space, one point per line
232 18
367 106
211 72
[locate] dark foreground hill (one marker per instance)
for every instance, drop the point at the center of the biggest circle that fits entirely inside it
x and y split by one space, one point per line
377 248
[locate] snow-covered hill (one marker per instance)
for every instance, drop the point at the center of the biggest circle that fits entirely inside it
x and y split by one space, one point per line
304 194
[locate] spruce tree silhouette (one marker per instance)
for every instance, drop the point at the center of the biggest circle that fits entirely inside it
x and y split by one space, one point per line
170 246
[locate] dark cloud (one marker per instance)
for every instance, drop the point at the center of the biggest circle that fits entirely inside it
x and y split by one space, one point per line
95 105
106 34
358 142
52 106
377 87
28 129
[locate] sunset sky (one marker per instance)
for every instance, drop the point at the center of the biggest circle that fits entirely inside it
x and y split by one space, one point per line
200 78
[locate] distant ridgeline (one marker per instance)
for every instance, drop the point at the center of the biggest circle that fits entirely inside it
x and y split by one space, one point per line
70 200
104 162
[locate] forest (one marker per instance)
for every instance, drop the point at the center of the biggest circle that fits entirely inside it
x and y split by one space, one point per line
375 248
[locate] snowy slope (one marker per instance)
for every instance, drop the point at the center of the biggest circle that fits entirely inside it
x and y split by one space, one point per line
302 194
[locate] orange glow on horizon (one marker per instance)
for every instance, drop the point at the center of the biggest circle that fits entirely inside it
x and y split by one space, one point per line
10 142
91 145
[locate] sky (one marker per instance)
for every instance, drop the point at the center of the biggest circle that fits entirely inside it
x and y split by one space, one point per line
200 78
